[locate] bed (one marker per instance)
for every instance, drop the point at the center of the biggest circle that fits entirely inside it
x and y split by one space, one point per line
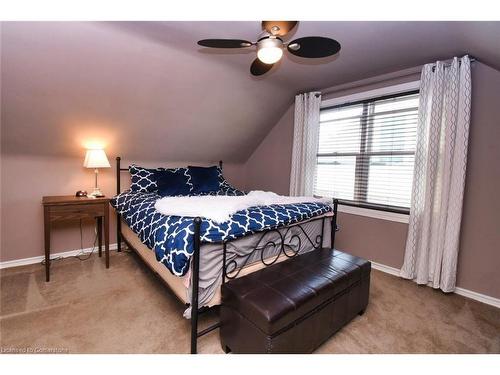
194 256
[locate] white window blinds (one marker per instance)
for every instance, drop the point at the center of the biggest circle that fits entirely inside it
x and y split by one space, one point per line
366 152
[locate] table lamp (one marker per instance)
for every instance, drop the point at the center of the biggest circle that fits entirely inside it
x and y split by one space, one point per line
96 158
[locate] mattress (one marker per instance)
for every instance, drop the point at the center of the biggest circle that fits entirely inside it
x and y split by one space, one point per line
238 250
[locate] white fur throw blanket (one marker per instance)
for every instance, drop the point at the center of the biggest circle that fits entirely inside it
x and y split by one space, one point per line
219 208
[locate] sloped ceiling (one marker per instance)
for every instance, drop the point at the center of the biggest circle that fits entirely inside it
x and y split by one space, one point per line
147 91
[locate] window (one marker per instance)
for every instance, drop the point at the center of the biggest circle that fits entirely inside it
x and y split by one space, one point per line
366 152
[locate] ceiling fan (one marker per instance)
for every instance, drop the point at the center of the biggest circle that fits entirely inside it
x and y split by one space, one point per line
270 45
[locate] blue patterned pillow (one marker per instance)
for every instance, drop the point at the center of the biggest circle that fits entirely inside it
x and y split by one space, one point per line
225 188
143 179
146 179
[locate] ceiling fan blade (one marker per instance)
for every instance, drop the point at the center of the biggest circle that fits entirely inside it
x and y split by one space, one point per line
313 47
258 67
224 43
283 27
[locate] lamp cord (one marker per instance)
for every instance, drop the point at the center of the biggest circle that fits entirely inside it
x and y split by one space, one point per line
82 252
82 255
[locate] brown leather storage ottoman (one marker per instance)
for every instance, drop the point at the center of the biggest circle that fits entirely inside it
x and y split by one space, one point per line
295 305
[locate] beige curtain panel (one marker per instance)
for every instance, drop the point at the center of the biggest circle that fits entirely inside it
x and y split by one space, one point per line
305 143
439 174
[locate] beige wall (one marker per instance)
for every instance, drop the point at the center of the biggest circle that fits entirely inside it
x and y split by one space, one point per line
479 257
383 241
268 168
25 179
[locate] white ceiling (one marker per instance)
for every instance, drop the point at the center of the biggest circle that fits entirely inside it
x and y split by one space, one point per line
150 92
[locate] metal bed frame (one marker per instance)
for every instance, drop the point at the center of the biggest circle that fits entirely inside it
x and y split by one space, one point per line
231 269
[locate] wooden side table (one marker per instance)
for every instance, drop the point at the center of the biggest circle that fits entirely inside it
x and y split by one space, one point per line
69 207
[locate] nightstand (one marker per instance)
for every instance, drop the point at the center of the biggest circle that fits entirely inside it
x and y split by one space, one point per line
69 207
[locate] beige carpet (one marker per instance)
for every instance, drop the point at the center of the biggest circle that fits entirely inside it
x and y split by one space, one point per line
126 309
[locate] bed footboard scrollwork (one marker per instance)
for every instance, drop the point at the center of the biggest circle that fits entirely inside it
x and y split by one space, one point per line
274 244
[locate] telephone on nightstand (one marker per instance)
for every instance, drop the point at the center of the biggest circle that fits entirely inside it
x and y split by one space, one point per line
81 193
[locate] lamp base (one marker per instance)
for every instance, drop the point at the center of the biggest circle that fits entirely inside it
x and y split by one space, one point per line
96 193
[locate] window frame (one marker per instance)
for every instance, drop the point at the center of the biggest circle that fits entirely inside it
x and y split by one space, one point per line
386 212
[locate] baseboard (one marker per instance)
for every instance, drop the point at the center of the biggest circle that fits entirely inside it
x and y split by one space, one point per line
478 297
492 301
38 259
384 268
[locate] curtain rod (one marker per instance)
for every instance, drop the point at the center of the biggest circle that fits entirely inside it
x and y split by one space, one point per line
363 82
449 62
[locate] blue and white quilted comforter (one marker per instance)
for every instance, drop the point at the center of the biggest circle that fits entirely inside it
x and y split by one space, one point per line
171 237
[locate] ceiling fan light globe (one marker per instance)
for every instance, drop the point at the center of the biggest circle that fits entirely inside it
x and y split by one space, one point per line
270 55
270 50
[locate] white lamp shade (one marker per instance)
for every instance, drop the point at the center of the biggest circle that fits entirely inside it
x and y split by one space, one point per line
96 159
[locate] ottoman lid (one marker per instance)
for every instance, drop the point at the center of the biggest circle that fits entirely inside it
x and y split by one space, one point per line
278 295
